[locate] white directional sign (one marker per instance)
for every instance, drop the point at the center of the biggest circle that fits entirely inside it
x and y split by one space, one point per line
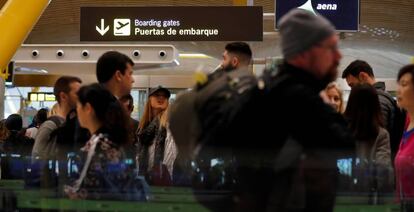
102 30
122 27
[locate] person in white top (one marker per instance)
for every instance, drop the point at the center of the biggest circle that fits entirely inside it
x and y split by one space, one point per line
41 116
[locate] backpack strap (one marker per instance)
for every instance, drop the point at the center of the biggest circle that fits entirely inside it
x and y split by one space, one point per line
58 122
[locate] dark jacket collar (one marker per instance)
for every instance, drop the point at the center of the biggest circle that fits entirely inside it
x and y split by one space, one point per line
379 86
303 76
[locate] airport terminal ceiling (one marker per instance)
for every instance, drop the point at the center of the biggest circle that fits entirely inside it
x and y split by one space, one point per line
385 39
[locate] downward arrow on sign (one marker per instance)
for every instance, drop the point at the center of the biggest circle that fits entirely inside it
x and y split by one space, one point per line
103 30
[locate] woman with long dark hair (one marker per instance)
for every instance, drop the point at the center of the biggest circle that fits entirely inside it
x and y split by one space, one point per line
372 140
104 174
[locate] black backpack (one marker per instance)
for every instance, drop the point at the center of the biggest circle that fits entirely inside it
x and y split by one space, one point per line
228 110
203 117
70 137
211 113
220 101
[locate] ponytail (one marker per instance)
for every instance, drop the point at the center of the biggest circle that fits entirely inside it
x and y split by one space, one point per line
108 110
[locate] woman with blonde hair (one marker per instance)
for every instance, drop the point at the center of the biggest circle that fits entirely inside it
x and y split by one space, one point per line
156 147
335 96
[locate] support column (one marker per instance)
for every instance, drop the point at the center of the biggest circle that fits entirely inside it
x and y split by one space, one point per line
2 91
17 18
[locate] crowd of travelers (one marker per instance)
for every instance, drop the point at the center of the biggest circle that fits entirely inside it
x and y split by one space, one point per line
279 152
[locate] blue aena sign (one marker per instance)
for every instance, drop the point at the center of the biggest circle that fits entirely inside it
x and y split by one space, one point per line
344 14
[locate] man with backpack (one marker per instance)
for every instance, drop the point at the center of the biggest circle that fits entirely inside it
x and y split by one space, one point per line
287 165
360 71
186 128
56 137
236 56
307 135
65 90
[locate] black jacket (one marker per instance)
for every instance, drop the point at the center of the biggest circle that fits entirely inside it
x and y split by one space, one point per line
271 174
393 117
299 113
387 104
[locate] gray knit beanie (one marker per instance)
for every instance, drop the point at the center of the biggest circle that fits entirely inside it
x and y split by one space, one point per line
300 30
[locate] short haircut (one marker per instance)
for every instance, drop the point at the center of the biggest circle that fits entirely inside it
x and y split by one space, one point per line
130 100
109 63
408 69
356 67
41 116
240 48
63 85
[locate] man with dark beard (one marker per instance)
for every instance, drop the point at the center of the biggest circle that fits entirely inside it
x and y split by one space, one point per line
303 124
290 164
236 55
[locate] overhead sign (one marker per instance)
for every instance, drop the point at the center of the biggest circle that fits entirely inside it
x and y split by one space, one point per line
344 15
171 23
8 73
41 97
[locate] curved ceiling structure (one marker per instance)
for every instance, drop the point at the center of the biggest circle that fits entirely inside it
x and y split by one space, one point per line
385 39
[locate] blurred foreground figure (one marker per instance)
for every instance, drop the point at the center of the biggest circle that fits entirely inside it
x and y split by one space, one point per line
287 165
404 161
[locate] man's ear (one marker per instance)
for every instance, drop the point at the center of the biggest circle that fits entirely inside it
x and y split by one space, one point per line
235 61
363 77
118 75
63 97
88 107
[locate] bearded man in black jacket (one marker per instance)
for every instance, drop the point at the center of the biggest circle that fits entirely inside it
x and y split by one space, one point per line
281 150
311 58
291 163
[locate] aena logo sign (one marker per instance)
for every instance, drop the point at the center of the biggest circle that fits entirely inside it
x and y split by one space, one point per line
326 7
308 6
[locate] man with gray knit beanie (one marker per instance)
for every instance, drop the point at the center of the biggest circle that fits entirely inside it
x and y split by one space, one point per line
311 135
309 42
